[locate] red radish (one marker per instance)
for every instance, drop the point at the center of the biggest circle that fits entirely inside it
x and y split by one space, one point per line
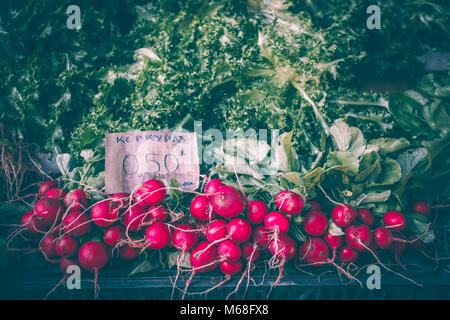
314 251
47 246
65 263
76 199
104 213
93 255
398 247
230 268
46 186
55 193
66 246
113 235
204 257
347 255
316 223
135 217
334 242
76 224
276 222
366 217
261 236
213 185
343 215
228 251
422 207
239 230
29 224
394 220
47 211
157 235
121 200
384 238
283 247
151 193
314 206
184 238
289 202
216 230
248 249
128 253
256 211
358 237
227 202
158 213
201 208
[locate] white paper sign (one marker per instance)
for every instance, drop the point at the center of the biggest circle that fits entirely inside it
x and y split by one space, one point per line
132 158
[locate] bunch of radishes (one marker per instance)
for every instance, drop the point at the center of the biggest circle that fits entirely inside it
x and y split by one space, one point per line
223 229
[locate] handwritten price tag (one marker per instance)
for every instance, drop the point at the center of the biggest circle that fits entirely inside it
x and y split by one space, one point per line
132 158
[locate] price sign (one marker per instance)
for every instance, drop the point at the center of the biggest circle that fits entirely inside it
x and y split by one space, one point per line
132 158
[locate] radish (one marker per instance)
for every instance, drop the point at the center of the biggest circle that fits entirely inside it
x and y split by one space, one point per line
46 186
113 235
314 206
248 250
157 235
64 263
66 246
55 193
289 202
394 220
228 251
316 223
201 208
151 193
227 202
76 224
121 200
366 217
347 255
334 242
358 237
276 222
135 217
47 246
284 247
315 252
203 259
104 213
158 213
184 238
213 186
343 215
422 207
415 242
93 256
261 236
384 238
230 268
47 211
216 230
239 230
76 200
29 226
256 211
128 253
